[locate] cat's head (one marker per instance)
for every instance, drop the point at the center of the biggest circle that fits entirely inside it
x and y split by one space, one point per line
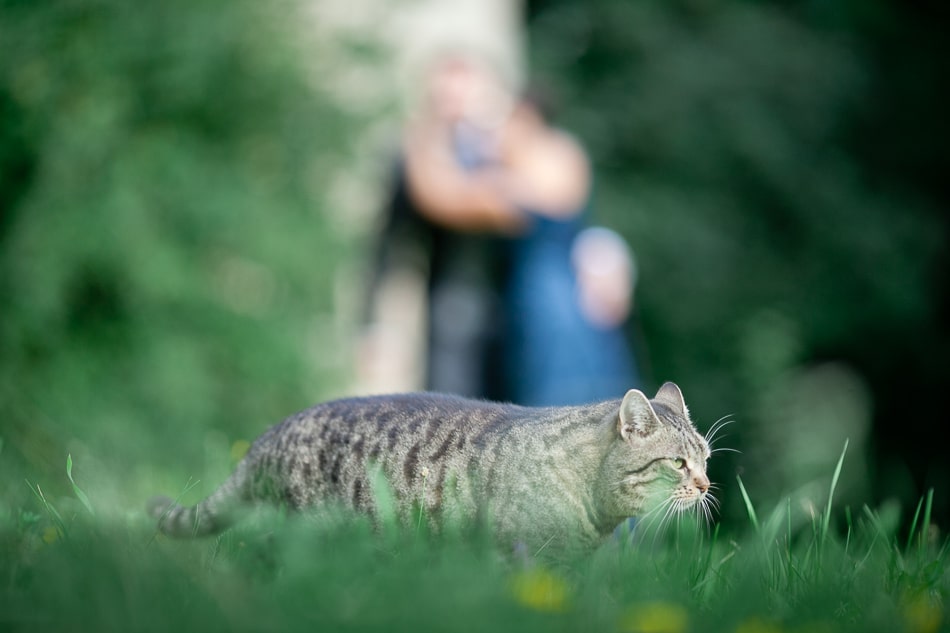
657 461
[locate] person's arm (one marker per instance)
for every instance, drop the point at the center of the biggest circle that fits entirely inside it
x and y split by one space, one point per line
451 197
549 174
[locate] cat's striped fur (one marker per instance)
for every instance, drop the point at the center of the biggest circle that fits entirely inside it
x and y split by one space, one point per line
539 475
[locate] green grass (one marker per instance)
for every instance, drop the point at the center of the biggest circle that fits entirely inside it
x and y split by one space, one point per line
66 565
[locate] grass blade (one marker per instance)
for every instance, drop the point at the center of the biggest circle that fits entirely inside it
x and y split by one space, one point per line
748 504
53 513
913 525
826 519
850 523
925 526
76 489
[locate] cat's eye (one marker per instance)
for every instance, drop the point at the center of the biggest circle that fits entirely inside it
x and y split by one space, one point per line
680 463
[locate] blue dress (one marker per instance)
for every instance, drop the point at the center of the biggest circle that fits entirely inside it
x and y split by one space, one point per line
554 354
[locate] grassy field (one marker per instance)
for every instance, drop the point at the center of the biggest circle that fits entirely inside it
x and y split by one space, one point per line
70 566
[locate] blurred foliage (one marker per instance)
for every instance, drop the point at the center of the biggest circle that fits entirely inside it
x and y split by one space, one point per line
779 170
165 257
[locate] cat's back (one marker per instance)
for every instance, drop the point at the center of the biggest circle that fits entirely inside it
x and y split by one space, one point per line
402 414
326 450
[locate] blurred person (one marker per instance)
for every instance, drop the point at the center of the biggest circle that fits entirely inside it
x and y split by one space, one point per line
524 304
569 290
442 225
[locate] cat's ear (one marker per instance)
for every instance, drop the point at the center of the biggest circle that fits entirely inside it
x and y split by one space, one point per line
670 395
637 416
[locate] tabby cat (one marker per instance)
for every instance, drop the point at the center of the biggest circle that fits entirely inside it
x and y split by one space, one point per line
561 475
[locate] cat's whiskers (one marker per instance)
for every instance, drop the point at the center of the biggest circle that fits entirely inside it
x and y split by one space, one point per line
651 515
674 508
669 511
710 496
678 502
717 426
712 435
707 503
666 512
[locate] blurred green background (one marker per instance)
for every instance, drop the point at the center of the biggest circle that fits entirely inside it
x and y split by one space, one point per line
175 273
780 169
166 259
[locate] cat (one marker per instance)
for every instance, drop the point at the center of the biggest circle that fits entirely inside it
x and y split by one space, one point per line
540 476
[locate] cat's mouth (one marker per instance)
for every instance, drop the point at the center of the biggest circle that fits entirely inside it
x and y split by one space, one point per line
700 501
686 499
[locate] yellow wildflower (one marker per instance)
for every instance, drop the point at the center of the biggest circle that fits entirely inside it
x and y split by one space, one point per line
50 535
655 617
541 590
922 615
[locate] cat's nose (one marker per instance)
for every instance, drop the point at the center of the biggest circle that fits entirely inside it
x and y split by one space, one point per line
701 482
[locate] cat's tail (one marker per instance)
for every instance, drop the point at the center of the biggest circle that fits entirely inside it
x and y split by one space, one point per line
210 516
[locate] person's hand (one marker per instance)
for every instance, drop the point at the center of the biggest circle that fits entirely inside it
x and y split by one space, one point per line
606 275
446 194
